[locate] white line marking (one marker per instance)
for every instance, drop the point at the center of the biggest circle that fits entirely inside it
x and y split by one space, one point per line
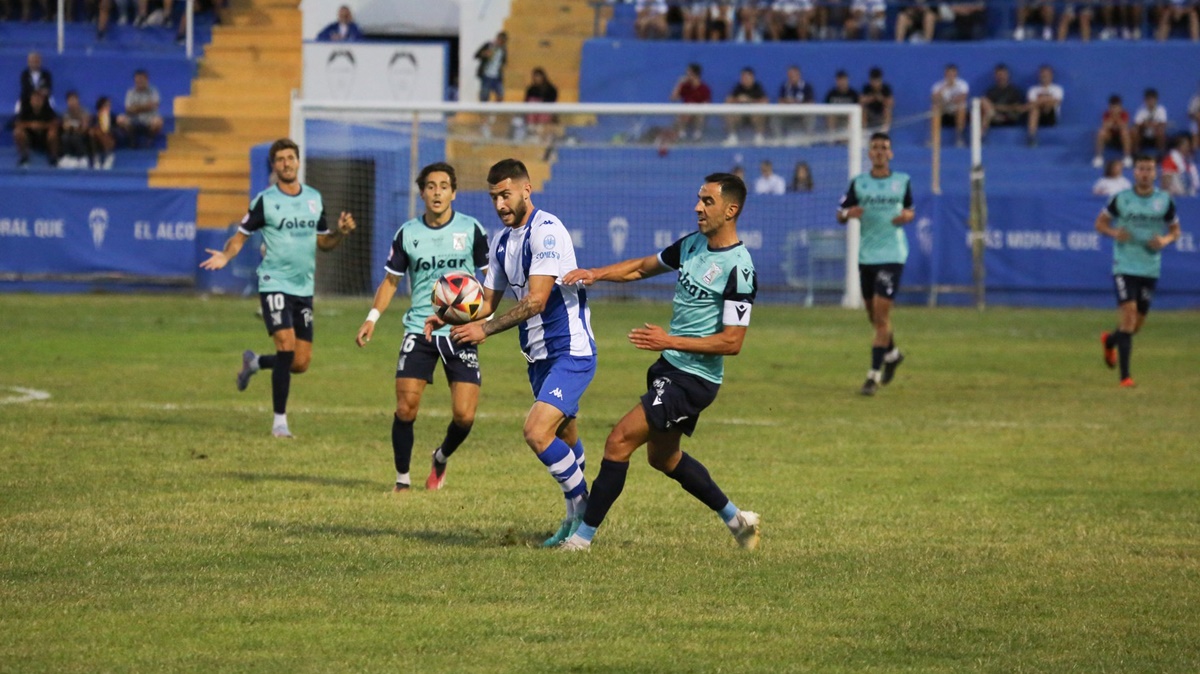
27 395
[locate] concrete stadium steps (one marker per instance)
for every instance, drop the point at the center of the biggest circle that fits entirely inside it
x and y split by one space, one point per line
472 159
241 97
550 34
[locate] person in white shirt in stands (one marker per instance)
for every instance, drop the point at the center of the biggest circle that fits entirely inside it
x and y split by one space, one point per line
1113 180
651 21
950 102
1179 175
769 182
1045 103
1150 124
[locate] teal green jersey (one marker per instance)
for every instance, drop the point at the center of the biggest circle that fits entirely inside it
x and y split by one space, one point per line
1145 217
882 199
290 227
715 288
427 253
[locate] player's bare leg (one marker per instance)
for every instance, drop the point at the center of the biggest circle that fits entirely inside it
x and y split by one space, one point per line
408 402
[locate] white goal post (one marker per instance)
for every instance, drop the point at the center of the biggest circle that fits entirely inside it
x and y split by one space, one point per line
621 149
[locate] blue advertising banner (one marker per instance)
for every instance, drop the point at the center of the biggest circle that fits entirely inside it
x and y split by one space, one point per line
80 234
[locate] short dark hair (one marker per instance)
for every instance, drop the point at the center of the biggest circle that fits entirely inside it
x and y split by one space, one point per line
72 94
732 188
1045 66
506 169
1000 66
1180 140
436 167
695 68
1145 157
879 135
840 74
1114 99
279 146
874 72
748 69
951 66
1150 92
141 71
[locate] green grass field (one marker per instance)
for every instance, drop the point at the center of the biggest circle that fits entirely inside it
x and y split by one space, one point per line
1001 507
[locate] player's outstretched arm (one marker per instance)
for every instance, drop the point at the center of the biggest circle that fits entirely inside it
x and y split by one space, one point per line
633 269
728 342
217 259
383 297
532 304
333 237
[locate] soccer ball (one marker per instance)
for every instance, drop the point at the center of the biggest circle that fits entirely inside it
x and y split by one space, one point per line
457 298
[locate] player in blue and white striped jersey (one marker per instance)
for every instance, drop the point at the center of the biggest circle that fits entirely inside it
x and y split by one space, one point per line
530 258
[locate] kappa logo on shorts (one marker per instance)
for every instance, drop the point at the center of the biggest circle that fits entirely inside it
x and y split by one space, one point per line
308 316
557 393
672 422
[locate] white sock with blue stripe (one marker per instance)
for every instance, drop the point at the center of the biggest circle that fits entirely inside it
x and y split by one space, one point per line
560 461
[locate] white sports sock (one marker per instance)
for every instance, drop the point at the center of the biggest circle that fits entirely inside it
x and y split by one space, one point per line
403 478
875 375
439 457
892 355
281 420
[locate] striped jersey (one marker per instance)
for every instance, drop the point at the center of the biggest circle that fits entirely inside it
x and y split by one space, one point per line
542 247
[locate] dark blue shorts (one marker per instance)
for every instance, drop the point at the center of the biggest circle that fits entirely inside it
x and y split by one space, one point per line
1138 289
282 311
674 399
561 382
419 356
880 279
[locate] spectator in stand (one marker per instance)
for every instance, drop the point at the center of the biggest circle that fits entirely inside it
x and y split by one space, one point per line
103 135
691 89
76 141
1131 11
841 92
540 90
919 13
141 119
793 91
738 171
789 19
1113 180
869 13
33 78
877 102
1179 12
751 15
1077 11
1150 124
1179 175
492 57
27 10
1045 103
651 21
154 13
968 16
695 20
1042 10
950 102
747 90
36 127
802 180
342 30
829 16
768 181
1004 103
1193 111
719 26
1114 132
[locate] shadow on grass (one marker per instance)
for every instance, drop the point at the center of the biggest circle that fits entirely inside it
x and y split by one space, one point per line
472 538
302 479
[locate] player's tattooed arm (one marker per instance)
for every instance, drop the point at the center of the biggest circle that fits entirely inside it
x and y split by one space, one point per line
528 306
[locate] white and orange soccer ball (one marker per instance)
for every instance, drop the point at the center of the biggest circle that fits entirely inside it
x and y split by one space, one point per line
457 298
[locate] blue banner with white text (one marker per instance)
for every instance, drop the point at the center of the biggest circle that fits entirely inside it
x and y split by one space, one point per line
83 235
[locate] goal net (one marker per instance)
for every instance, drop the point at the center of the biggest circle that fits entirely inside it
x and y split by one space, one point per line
623 179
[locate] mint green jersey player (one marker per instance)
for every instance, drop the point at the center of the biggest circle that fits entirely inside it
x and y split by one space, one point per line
427 253
715 288
1144 217
882 199
290 226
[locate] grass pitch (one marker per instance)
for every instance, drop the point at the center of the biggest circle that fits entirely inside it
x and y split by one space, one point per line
1001 507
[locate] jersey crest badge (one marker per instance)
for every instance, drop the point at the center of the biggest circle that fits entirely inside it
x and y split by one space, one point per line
312 206
460 241
549 242
711 274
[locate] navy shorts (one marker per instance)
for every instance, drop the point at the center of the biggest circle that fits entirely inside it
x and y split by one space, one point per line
561 381
880 279
1138 289
282 311
419 356
674 399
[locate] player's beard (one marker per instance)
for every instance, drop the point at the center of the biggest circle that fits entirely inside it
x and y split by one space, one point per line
518 215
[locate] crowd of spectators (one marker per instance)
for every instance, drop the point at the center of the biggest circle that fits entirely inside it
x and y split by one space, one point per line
911 20
77 137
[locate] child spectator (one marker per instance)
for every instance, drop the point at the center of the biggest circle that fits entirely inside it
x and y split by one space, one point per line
102 135
1150 123
802 180
1113 181
1114 132
1045 103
